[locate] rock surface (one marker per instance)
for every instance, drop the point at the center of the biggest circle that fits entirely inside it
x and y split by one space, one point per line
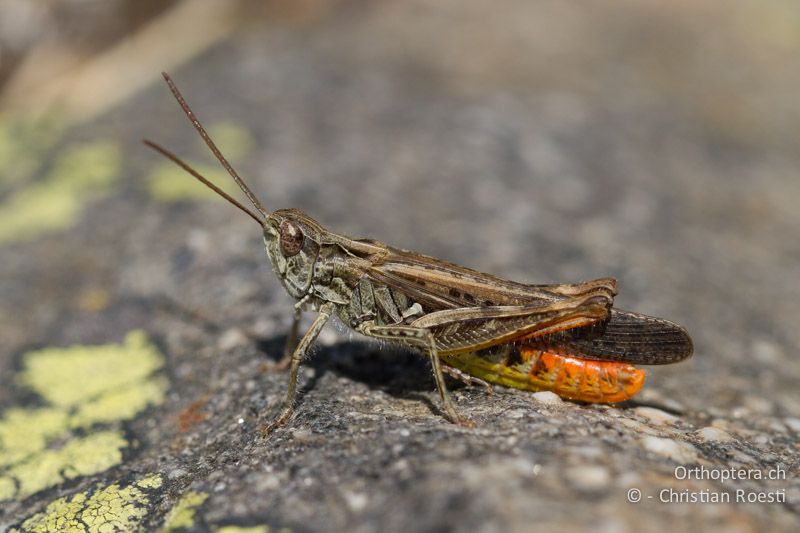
543 143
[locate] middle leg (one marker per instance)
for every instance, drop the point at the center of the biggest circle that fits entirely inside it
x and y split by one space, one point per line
423 339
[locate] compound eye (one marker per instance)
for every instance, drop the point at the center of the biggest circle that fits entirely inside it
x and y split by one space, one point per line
291 238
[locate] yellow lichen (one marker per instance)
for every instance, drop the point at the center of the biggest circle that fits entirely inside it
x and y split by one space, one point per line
87 166
153 481
80 174
109 508
169 183
61 515
24 432
35 210
234 140
23 143
8 488
240 529
85 386
122 404
182 515
78 457
70 376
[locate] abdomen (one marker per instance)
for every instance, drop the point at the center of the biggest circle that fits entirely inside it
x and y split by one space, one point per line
529 368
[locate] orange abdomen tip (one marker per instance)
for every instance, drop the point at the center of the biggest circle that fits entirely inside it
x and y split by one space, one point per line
582 379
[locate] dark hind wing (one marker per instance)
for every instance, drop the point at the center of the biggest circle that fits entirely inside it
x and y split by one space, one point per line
625 337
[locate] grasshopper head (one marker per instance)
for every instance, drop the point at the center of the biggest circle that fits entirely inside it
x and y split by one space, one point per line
291 237
292 240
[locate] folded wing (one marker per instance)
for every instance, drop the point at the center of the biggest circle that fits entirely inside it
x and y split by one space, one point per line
629 337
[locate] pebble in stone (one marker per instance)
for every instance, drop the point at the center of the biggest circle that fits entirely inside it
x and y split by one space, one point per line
302 435
740 412
264 327
588 477
792 423
742 458
766 351
721 423
713 434
588 452
231 338
547 397
401 465
775 426
176 473
637 426
758 404
656 416
655 397
269 482
628 479
356 501
679 452
198 240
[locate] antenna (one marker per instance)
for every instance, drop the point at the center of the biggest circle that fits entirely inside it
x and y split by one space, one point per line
202 131
205 181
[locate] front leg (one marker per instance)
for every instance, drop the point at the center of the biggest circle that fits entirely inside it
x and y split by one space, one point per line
422 339
291 340
298 355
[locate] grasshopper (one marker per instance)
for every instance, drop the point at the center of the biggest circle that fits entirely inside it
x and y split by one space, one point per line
566 338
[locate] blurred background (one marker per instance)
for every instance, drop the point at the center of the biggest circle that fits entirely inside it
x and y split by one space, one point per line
655 142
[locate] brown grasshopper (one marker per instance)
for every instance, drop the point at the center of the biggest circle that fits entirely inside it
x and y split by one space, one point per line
565 338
